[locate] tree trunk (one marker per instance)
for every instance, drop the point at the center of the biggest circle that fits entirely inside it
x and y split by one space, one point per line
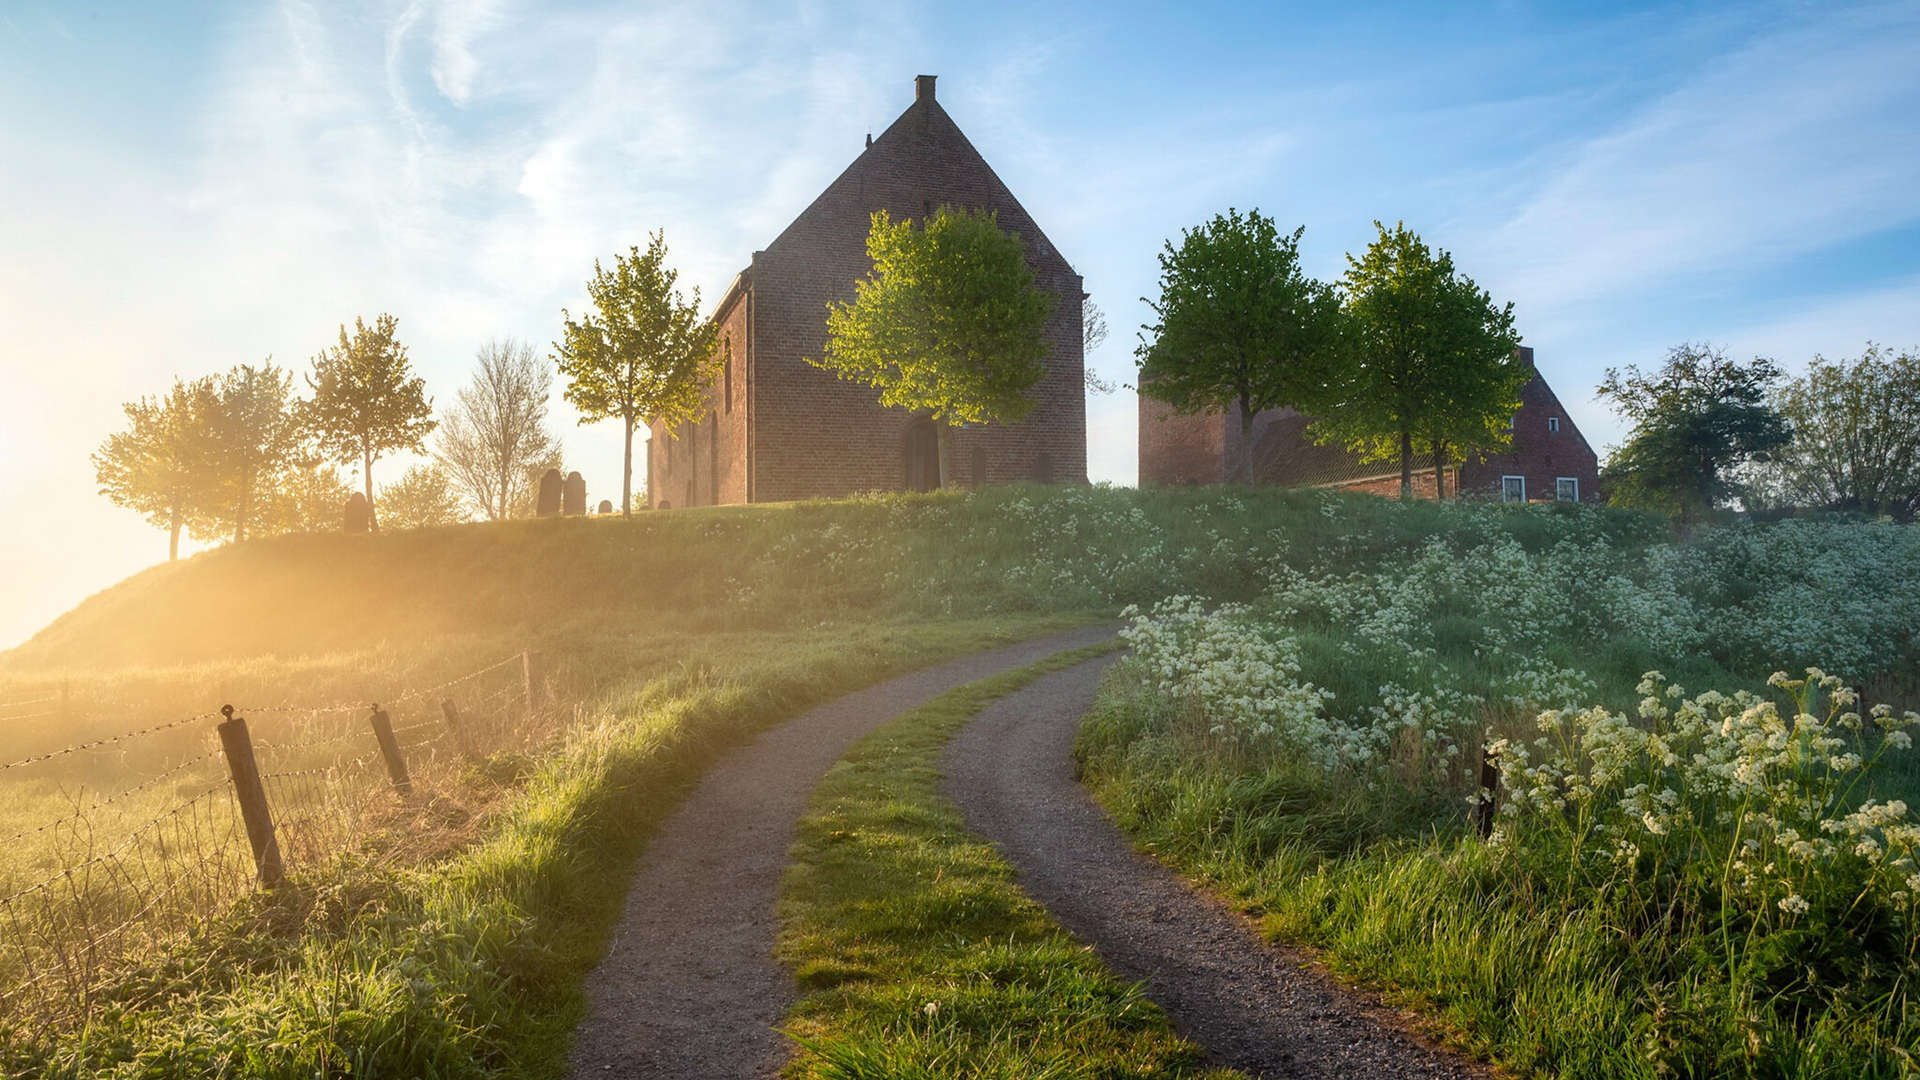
366 476
173 537
942 454
1406 464
626 472
1246 443
1439 470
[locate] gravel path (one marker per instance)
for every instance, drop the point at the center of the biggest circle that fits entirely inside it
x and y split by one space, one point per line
1253 1006
689 986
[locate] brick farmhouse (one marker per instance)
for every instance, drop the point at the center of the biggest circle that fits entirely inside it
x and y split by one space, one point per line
775 427
1549 458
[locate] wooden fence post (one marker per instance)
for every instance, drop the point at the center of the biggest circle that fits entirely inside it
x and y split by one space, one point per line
1489 788
452 713
252 796
533 665
390 749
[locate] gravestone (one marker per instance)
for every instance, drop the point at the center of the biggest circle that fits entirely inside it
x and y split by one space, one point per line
358 517
574 500
549 500
606 506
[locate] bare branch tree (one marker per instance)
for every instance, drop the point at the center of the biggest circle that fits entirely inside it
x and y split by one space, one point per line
496 433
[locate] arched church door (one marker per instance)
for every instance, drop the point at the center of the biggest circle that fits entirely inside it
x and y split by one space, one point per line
922 456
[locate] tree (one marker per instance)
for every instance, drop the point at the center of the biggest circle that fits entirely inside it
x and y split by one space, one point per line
1241 327
949 322
1431 357
1856 436
161 466
424 496
255 432
1093 333
497 429
309 497
1696 422
366 400
642 354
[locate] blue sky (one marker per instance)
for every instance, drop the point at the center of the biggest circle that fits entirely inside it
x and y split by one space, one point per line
189 187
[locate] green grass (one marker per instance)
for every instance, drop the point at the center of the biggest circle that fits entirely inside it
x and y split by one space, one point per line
1548 980
472 966
917 954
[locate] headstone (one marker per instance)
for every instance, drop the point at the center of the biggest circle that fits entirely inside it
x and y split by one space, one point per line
359 519
574 498
549 500
606 506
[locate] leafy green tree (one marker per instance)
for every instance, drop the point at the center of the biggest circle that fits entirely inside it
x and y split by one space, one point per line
641 354
1696 421
256 434
1431 358
1241 327
949 322
1856 436
424 496
367 402
309 496
163 465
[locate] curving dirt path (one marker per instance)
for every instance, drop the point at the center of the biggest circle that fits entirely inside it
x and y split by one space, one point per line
689 986
1253 1006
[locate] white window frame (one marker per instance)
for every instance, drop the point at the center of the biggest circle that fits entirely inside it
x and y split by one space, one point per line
1505 497
1553 424
1557 489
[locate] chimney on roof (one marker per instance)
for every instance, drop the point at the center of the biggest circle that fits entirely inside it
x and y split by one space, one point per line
923 87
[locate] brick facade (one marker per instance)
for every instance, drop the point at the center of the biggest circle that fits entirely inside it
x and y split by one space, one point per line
778 428
1205 449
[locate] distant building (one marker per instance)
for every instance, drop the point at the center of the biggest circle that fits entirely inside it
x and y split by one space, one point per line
1549 458
775 427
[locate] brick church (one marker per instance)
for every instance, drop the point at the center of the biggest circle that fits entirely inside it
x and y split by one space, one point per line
1548 460
775 427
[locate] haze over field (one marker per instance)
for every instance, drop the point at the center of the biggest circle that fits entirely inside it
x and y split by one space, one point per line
185 193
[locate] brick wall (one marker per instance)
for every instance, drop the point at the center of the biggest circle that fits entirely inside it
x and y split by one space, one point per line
1540 453
1193 448
683 466
799 432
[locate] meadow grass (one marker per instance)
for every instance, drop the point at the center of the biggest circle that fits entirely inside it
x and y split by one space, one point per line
918 955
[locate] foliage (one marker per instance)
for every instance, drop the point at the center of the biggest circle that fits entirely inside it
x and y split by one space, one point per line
1696 421
309 496
256 438
949 322
1240 326
494 441
422 498
1431 360
160 466
917 952
642 354
366 400
1856 437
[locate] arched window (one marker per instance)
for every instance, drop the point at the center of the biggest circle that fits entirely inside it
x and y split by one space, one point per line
713 459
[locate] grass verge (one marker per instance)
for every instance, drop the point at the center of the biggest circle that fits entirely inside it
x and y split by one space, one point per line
918 955
472 967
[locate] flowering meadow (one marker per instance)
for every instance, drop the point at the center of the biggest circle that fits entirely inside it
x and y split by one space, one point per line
1703 859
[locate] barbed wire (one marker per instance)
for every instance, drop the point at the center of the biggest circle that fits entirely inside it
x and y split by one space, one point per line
119 796
24 702
109 740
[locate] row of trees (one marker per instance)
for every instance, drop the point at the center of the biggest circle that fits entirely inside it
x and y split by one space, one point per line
1403 354
1709 432
239 454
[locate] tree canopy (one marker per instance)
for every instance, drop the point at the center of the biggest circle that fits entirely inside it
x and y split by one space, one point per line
1696 420
255 437
496 432
1856 436
1241 328
424 496
162 465
367 402
641 354
1431 359
949 322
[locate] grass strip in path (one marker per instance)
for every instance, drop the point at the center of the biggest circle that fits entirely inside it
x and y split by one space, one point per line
918 955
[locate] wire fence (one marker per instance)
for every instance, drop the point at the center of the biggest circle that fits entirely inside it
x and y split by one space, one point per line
204 810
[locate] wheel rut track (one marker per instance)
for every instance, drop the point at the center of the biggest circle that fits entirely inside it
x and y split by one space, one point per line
689 986
1253 1006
